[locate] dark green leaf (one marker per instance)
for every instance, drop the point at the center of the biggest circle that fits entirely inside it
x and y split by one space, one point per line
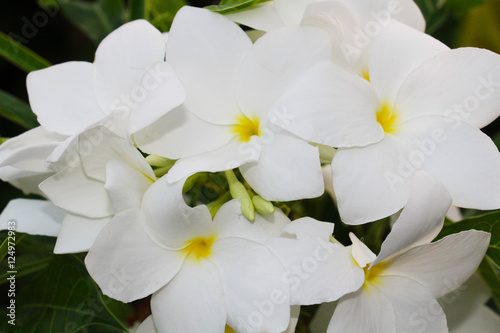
63 298
137 9
229 6
488 222
96 19
19 55
490 275
464 5
16 111
161 13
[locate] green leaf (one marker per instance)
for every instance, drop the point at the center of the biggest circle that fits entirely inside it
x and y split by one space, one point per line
96 19
19 55
464 5
63 298
137 9
491 277
488 222
16 111
161 13
229 6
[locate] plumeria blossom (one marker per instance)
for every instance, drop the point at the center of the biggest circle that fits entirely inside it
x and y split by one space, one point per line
350 24
202 273
72 97
99 159
421 109
225 121
402 283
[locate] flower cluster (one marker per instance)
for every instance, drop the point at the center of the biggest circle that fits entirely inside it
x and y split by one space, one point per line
354 84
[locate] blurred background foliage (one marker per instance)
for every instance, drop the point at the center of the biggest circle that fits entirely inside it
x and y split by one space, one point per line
67 30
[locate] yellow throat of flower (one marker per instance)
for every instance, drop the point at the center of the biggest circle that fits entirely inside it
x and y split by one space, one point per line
387 118
199 248
246 127
372 276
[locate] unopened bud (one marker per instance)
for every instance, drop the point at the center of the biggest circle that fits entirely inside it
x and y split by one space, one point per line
262 206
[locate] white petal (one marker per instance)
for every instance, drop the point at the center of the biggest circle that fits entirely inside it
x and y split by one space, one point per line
462 83
460 156
62 97
415 308
263 16
126 263
230 222
376 177
292 11
169 220
318 270
230 156
443 266
274 62
360 252
422 218
25 181
36 217
288 169
147 326
98 146
342 22
390 64
125 185
164 92
73 191
192 302
307 227
466 309
30 150
181 134
405 11
121 61
330 106
205 56
78 233
256 296
361 312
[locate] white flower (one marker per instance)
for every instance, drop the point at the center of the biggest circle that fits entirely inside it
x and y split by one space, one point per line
129 66
350 24
402 283
225 121
86 176
421 109
23 158
271 15
202 273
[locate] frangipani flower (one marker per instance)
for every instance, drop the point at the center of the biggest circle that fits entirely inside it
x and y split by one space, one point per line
225 121
202 273
274 14
350 24
421 109
129 66
72 97
402 283
98 159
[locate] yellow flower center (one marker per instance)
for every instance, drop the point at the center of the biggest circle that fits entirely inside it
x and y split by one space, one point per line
366 75
199 248
229 330
387 118
372 276
246 128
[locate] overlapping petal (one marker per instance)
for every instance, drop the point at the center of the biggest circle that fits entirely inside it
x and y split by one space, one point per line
77 233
